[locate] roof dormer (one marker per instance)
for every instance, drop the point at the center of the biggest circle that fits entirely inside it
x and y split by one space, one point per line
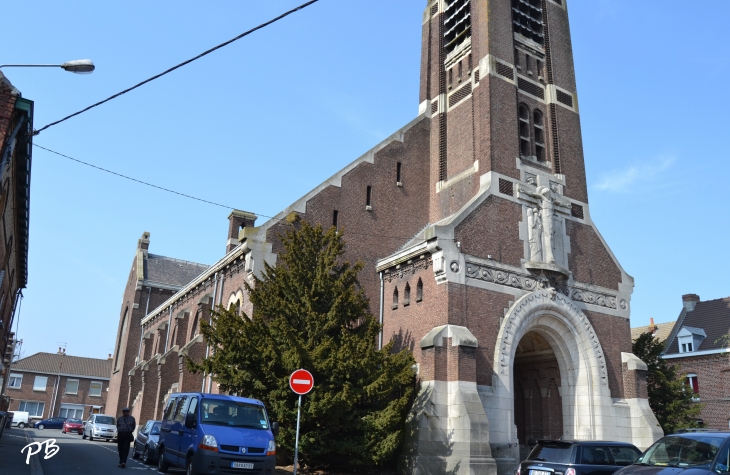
689 339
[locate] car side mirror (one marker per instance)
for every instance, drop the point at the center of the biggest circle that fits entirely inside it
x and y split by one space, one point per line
190 421
275 428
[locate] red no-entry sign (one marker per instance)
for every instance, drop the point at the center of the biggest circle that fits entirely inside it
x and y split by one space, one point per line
301 381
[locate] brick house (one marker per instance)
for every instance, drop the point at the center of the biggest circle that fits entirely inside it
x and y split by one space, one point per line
479 252
57 384
661 331
699 344
16 125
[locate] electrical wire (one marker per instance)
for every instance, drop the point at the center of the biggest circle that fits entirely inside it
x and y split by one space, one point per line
300 7
190 196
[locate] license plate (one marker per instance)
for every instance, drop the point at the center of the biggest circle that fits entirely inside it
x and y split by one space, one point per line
540 472
241 465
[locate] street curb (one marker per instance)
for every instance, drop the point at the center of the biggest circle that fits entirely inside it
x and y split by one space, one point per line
35 463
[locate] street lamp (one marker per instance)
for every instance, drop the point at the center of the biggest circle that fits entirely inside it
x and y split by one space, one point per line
79 66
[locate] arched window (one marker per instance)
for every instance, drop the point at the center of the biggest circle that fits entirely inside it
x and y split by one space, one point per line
395 298
407 295
194 329
539 135
524 119
173 342
419 290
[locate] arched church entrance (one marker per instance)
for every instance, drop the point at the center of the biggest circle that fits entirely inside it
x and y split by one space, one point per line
538 405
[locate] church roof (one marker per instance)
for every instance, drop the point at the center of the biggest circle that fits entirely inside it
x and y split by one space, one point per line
49 363
166 270
713 316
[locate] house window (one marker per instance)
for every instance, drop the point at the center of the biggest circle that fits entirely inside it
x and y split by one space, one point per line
95 389
40 383
686 347
71 411
691 381
419 290
524 116
407 295
32 408
15 381
72 386
395 298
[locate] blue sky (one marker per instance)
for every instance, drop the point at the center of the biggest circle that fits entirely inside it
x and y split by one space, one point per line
262 121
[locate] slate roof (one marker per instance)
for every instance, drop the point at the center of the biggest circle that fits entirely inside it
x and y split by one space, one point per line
713 316
75 365
166 270
662 332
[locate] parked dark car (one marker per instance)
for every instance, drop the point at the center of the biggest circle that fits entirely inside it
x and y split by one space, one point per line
578 457
690 453
52 423
147 441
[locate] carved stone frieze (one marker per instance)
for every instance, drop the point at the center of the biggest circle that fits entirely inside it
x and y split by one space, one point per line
530 283
407 269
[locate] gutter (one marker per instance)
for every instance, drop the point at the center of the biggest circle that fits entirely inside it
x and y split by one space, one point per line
382 285
207 348
696 353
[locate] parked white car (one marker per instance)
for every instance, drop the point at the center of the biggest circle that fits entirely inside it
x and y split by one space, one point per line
20 419
100 426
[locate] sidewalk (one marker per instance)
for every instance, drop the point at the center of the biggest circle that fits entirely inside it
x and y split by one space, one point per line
12 461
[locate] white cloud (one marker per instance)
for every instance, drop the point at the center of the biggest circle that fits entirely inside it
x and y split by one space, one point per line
626 180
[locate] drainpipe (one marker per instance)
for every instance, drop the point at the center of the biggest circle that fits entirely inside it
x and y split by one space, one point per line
220 301
207 348
141 333
382 287
167 333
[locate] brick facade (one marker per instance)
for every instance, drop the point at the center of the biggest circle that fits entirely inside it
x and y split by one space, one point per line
450 251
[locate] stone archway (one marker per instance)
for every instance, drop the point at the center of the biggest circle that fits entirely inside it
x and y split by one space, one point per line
583 386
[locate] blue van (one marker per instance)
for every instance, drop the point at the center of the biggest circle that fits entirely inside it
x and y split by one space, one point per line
216 434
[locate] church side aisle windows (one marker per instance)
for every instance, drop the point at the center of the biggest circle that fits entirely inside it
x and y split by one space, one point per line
395 298
419 290
407 295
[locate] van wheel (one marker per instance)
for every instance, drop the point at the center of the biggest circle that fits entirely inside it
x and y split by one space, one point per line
21 425
189 470
162 465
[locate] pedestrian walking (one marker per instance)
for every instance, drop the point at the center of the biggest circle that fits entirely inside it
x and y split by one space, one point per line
125 430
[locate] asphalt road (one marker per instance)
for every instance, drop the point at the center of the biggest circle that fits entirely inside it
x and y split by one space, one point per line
78 456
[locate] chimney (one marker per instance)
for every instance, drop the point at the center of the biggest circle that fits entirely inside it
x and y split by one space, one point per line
110 356
689 301
652 327
59 351
144 241
237 221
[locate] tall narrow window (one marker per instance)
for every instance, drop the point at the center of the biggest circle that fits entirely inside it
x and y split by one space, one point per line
540 74
407 295
335 215
691 381
419 290
398 177
468 64
517 59
395 298
539 136
527 63
524 118
460 71
368 198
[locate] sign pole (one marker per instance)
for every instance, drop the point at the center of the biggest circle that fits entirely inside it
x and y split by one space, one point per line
296 441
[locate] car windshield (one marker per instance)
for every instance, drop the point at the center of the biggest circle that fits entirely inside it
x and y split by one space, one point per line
678 451
234 414
155 429
557 453
73 421
105 420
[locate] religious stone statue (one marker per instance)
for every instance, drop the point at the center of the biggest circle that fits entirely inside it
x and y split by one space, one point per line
547 201
534 232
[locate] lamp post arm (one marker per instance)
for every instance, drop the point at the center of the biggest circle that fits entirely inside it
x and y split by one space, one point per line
30 65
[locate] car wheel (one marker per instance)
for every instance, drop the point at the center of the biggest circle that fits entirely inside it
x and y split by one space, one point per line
83 435
91 436
146 455
189 467
21 425
135 454
162 465
41 426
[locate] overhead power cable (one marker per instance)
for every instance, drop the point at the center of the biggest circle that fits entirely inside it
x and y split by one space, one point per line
300 7
190 196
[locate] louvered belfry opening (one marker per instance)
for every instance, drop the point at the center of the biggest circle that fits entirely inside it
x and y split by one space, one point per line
527 19
457 23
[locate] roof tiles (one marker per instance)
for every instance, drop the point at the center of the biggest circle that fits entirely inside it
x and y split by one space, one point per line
53 363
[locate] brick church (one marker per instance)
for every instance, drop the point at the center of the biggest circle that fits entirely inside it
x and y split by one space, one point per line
481 256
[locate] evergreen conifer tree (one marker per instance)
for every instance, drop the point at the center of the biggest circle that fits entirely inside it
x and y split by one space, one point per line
309 312
669 397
